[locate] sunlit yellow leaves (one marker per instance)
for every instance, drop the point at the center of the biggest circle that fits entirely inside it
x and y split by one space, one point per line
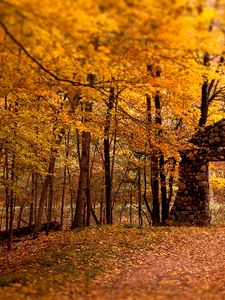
217 112
217 182
117 41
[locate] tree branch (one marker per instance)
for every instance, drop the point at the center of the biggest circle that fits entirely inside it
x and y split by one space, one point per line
37 62
216 94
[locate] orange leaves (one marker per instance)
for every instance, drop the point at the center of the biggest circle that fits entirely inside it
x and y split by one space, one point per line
117 262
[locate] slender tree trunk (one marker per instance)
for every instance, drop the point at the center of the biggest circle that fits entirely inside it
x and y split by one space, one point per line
145 196
97 222
206 90
63 198
78 146
6 179
32 206
113 159
83 177
11 215
90 210
84 160
1 218
155 188
204 104
50 204
163 188
71 194
121 213
108 182
131 203
35 197
20 215
120 184
101 210
44 195
47 182
155 169
67 143
170 191
88 197
31 214
158 120
153 212
108 199
7 196
140 221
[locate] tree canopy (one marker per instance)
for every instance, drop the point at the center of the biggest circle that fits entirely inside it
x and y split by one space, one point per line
129 73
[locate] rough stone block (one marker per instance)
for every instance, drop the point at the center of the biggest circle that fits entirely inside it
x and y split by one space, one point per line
201 177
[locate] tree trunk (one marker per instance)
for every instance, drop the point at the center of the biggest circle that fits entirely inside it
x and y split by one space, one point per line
44 195
149 143
145 196
7 196
6 179
140 221
101 210
108 182
170 191
11 213
204 104
206 90
20 215
71 193
163 188
50 203
31 214
47 182
63 198
35 197
158 120
88 197
155 188
94 216
155 168
83 177
1 218
84 161
131 203
67 144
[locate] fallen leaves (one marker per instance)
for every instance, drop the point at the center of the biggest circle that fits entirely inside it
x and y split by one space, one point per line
117 263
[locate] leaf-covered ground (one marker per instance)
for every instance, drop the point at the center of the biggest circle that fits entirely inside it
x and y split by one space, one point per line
117 263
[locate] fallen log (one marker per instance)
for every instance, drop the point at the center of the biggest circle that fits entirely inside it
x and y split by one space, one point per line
28 230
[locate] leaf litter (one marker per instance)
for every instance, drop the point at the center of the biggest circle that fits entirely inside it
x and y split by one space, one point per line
117 263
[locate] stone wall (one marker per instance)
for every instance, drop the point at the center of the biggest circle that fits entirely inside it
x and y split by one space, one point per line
191 206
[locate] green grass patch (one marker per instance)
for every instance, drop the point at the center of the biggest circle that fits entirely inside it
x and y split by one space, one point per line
75 257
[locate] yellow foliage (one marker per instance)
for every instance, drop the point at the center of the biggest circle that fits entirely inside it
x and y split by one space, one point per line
119 42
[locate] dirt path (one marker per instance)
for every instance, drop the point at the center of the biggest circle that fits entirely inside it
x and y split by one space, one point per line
188 265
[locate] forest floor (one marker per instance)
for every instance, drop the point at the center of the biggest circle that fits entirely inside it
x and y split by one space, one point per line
117 263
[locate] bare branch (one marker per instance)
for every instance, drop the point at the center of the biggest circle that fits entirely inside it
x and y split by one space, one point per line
211 86
216 94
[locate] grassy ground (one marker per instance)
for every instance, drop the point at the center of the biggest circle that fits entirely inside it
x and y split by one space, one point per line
95 262
63 264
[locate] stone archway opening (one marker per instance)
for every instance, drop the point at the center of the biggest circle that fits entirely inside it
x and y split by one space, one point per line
217 192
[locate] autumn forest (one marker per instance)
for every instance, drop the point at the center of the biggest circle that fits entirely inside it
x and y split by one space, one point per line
98 101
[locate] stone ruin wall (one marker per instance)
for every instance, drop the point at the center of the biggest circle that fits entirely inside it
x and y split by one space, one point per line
191 206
